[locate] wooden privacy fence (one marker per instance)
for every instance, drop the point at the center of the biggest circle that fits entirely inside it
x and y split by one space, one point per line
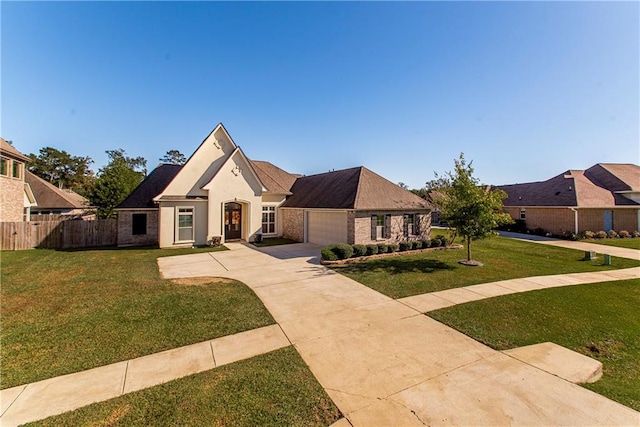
58 234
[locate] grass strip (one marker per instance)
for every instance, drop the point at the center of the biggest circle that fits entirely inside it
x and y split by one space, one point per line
503 258
273 389
65 312
599 320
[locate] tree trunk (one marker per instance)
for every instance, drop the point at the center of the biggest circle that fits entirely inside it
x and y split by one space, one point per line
468 248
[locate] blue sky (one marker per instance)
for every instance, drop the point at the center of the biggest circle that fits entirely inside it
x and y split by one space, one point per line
526 90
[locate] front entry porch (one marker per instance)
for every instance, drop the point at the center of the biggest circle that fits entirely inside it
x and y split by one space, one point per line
232 221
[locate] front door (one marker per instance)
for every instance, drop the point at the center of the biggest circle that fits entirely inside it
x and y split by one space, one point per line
232 221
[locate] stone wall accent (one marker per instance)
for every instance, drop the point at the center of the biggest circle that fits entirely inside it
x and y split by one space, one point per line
362 227
125 226
11 199
293 224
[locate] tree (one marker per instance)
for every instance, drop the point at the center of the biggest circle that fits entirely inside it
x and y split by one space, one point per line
403 185
116 181
174 157
473 210
62 169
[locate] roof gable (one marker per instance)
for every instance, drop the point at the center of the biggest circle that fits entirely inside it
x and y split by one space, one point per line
50 196
9 150
355 188
615 176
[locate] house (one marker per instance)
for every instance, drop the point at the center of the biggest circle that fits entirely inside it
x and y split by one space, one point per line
219 193
16 197
604 197
52 200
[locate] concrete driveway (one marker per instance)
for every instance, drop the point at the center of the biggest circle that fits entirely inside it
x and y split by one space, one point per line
384 363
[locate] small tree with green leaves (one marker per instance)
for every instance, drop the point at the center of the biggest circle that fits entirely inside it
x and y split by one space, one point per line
116 181
474 210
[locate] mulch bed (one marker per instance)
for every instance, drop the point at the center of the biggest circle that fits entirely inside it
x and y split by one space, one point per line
398 253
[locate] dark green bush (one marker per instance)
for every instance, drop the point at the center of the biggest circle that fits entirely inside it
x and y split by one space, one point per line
443 240
417 244
342 250
382 248
426 244
327 254
392 248
359 250
372 249
405 246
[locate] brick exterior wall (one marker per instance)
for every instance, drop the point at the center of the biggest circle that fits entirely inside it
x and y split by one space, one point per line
559 220
11 199
293 224
362 227
125 228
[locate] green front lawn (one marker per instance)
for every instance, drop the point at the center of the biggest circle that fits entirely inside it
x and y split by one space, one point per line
599 320
503 258
273 389
65 312
629 243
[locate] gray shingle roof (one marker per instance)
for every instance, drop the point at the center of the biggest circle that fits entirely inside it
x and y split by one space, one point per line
153 184
355 188
48 196
10 151
276 180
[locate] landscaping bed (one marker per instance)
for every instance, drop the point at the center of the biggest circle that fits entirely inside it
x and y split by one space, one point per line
386 255
599 320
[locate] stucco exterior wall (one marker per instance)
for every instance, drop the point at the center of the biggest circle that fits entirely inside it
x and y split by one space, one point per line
125 228
362 227
293 224
11 199
167 222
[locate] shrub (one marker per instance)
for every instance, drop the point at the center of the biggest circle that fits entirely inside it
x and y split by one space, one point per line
568 235
588 234
392 248
601 235
372 249
405 246
382 248
636 233
426 244
359 250
327 254
443 240
612 234
624 234
435 242
539 232
417 244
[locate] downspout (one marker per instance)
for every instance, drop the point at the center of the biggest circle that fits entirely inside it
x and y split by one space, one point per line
575 219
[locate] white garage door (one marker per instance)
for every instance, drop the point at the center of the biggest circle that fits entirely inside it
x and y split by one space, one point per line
325 228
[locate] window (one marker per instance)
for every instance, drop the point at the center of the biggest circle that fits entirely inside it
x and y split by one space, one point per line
4 166
268 219
409 224
380 226
523 214
17 170
138 224
184 232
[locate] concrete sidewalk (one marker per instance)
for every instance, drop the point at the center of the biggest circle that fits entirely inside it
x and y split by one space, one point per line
36 401
447 298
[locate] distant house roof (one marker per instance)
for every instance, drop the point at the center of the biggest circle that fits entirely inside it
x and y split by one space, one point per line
594 187
142 196
276 180
49 196
9 150
355 188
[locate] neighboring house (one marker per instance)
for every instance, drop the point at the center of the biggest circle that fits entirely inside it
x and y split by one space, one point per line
604 197
52 200
220 193
16 197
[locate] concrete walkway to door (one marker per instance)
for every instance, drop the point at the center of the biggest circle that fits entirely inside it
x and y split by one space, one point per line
384 363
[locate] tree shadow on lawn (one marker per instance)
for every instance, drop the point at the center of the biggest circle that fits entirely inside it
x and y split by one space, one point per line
397 266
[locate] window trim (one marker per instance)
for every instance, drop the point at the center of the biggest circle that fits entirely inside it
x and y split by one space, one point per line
523 214
267 209
409 232
193 222
6 161
19 167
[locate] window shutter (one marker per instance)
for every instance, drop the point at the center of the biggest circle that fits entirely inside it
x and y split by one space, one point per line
416 226
405 225
387 226
374 223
